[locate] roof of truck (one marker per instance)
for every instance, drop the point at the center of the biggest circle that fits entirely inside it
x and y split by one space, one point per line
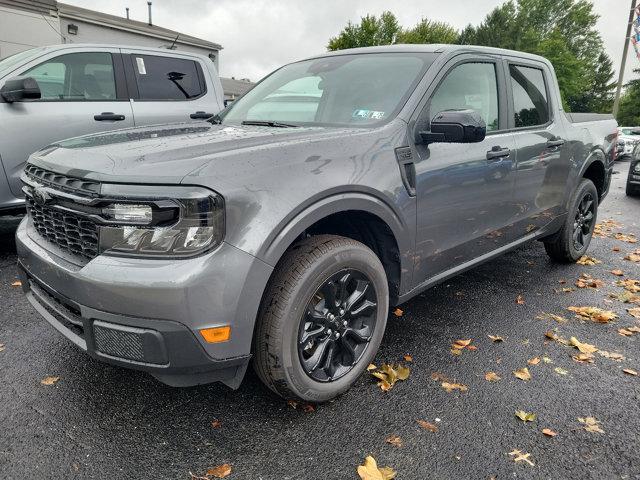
63 46
433 48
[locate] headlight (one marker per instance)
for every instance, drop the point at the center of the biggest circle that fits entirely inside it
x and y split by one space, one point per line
636 167
183 222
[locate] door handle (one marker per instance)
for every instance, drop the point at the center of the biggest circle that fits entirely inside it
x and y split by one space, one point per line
498 153
201 114
108 116
555 142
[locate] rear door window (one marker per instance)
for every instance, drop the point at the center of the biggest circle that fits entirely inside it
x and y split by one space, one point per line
166 78
530 102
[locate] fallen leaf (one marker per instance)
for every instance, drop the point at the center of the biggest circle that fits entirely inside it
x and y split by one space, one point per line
547 360
525 416
634 312
633 256
389 375
615 249
534 361
308 408
594 314
496 338
459 345
626 238
428 426
591 424
519 456
630 372
630 285
551 316
583 347
617 273
398 312
408 358
221 471
17 283
293 404
49 380
394 440
628 331
548 432
586 260
370 471
371 367
613 356
523 374
587 281
216 424
583 358
520 300
626 297
450 387
491 377
1 347
560 371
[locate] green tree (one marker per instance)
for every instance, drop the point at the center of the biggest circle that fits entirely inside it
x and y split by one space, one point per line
369 32
629 111
428 31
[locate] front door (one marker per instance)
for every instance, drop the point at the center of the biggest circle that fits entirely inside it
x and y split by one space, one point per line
79 95
465 191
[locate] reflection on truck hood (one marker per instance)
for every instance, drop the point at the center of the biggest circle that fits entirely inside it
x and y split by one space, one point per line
166 153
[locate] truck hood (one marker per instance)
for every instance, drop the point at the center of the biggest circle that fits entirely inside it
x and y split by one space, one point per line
167 153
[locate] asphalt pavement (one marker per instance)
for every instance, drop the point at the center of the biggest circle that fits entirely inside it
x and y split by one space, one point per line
103 422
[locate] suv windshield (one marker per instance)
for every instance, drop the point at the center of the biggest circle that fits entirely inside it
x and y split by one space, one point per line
353 90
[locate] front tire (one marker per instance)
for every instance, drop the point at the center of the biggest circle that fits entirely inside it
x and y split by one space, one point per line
322 318
574 237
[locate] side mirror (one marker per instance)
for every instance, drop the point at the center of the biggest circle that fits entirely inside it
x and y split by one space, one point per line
456 126
18 89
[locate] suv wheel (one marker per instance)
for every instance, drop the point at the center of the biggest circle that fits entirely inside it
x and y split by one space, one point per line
575 235
322 318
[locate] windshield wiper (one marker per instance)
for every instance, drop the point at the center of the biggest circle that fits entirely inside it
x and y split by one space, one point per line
268 123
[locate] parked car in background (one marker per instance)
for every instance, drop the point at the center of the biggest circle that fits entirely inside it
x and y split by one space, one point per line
633 177
628 138
283 230
62 91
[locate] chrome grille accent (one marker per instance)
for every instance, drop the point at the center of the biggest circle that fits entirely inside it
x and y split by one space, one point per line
62 182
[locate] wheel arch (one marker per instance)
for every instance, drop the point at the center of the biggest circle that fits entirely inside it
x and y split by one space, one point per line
594 169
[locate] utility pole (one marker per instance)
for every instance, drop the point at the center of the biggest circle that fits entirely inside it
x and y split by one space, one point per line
616 102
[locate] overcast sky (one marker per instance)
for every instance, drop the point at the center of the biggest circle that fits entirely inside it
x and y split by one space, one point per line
260 35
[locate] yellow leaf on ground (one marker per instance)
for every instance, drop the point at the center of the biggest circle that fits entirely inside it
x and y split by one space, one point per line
630 372
1 347
491 377
221 471
49 380
17 283
626 238
594 314
520 300
633 256
371 367
450 387
534 361
587 281
560 371
389 375
519 456
525 416
590 424
548 432
583 358
586 260
612 356
398 312
523 374
394 440
617 272
630 285
370 471
428 426
583 347
216 423
634 312
408 358
551 316
496 338
628 331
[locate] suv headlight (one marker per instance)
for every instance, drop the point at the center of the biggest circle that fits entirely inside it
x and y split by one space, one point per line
165 222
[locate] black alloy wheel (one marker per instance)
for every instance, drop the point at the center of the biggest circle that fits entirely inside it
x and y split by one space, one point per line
583 223
337 325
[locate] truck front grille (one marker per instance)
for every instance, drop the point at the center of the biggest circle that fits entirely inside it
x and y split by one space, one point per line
73 233
62 182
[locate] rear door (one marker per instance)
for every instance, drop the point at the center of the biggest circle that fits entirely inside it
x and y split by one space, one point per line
543 156
166 88
83 92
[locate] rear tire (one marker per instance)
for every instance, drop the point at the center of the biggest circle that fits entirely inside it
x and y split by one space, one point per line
311 284
572 241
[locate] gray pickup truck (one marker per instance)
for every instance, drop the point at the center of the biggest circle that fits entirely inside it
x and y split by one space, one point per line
284 229
61 91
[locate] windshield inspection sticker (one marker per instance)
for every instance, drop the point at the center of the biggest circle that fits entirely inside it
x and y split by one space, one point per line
368 114
141 68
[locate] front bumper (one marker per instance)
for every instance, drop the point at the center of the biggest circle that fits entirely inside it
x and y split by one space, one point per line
145 314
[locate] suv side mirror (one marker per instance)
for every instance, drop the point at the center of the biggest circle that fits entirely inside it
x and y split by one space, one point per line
456 126
18 89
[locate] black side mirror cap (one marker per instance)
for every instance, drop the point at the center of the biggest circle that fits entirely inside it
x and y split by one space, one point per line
18 89
456 126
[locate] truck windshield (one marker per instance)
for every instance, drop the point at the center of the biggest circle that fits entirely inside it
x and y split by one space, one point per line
15 60
341 90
